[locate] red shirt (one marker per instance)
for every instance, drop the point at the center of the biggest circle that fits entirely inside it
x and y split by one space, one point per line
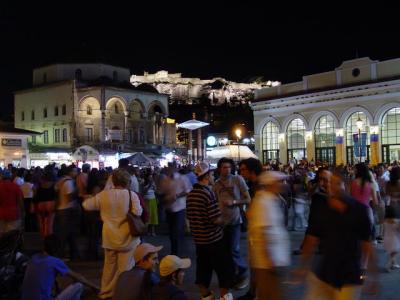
10 193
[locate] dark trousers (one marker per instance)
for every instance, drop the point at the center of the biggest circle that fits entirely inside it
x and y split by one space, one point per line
176 225
93 229
232 235
66 227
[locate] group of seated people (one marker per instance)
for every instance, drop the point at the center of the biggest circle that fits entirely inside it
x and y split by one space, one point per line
141 282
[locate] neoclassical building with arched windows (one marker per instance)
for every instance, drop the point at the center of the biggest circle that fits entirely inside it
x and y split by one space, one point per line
342 116
92 104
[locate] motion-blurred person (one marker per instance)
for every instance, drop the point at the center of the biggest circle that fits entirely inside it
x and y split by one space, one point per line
28 190
149 195
393 190
250 169
342 226
269 242
137 283
232 192
391 242
212 250
172 271
68 212
12 212
118 243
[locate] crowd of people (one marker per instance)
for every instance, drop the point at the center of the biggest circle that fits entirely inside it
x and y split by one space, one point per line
343 211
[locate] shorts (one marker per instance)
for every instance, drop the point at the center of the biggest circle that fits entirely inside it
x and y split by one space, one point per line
214 257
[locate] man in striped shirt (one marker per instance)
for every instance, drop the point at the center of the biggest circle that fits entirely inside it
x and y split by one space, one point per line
212 251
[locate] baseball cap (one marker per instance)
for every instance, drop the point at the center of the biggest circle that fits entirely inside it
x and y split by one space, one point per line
170 263
143 249
202 168
270 177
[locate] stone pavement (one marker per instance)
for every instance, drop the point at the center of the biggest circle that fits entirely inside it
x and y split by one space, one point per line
389 282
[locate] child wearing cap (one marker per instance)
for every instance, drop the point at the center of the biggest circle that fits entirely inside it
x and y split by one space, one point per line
172 273
138 282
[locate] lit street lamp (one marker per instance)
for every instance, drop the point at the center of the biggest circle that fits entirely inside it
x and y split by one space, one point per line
238 133
359 124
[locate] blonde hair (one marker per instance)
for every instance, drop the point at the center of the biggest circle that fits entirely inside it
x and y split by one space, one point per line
121 177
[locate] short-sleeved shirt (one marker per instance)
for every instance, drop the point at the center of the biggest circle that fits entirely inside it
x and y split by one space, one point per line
9 195
180 184
40 276
231 188
340 236
130 284
65 187
202 209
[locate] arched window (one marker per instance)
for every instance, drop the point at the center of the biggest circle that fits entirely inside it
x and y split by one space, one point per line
141 135
351 131
88 110
296 139
390 132
325 140
270 144
56 111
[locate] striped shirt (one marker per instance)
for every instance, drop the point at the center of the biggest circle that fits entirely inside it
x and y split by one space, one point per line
202 209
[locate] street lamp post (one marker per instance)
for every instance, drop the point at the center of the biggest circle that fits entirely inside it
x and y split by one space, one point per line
238 133
359 124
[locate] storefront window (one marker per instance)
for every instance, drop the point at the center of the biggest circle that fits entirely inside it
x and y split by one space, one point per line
390 132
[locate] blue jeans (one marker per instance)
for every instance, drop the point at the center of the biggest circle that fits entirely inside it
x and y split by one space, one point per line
232 235
72 292
176 224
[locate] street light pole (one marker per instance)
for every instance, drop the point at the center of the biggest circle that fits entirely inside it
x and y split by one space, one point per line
238 133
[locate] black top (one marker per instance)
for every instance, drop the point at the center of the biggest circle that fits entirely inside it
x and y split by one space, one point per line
340 235
45 194
165 290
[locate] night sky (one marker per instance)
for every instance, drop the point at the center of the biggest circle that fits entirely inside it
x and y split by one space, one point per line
237 42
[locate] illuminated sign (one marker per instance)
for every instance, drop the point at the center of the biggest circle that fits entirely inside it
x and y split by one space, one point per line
211 141
11 142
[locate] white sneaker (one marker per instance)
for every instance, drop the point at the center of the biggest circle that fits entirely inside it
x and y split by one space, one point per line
227 296
395 266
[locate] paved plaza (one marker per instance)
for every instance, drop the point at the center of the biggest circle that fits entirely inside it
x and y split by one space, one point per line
389 282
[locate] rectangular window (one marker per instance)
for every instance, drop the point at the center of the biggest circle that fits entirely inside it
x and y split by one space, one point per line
45 137
22 116
57 135
64 135
64 109
56 111
89 134
33 115
33 139
45 113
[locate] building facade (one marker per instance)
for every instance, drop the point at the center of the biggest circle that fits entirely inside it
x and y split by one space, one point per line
343 116
92 104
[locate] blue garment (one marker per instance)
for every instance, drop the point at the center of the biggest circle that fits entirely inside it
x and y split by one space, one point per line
192 178
40 276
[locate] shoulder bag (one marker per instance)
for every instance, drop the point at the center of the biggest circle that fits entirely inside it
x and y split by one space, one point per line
136 225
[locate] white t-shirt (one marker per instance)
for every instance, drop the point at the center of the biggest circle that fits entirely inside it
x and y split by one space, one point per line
113 206
64 187
269 242
19 181
180 184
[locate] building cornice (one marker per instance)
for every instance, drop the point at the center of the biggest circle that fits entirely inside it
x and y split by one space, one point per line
359 93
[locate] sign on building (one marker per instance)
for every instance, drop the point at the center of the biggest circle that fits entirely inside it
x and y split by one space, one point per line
11 142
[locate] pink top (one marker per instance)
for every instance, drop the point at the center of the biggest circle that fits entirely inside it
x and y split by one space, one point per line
362 195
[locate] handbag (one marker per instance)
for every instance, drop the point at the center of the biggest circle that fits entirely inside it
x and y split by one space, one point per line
136 225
